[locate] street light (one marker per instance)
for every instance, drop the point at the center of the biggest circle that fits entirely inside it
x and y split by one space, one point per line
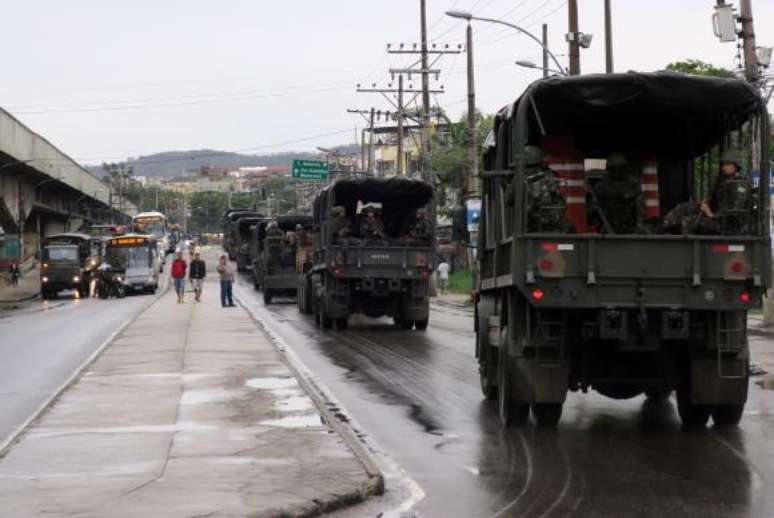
530 64
464 15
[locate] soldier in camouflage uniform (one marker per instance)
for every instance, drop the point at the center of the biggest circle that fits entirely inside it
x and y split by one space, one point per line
273 230
371 227
340 227
546 205
421 230
618 196
726 211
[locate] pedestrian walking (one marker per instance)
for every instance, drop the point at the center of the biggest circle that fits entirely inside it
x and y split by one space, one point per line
443 276
15 273
196 273
179 267
226 282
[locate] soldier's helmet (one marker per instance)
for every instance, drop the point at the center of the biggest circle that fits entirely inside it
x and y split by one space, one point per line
272 225
533 155
732 156
615 160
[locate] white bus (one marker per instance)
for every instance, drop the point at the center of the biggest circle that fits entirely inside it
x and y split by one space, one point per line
153 224
136 257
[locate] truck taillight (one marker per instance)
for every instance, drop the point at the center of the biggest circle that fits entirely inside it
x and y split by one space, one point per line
538 294
546 265
338 271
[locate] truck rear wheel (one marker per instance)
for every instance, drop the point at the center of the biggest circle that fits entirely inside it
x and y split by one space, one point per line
267 297
341 324
421 325
326 322
406 324
691 414
511 413
727 415
547 415
487 364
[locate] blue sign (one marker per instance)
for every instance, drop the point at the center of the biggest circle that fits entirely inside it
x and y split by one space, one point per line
473 214
756 178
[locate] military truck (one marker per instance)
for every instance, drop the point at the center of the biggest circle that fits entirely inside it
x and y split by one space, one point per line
623 314
231 231
352 273
245 227
274 258
69 261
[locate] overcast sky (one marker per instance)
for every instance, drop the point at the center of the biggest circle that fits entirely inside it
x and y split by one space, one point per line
107 80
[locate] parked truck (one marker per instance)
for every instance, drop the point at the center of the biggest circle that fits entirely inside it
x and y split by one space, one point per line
245 228
231 231
624 314
356 270
274 266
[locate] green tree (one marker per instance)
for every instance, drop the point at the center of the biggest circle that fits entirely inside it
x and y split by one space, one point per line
698 67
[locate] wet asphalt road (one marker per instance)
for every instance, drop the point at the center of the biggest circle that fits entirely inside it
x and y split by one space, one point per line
42 342
417 396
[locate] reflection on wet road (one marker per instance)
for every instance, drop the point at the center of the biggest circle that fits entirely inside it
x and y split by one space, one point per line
417 394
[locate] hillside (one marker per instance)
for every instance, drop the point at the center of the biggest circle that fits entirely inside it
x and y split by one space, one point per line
173 163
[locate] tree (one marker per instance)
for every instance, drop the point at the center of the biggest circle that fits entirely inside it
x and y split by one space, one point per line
698 67
450 155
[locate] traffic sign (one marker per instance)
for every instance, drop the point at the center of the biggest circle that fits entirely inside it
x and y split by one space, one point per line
314 170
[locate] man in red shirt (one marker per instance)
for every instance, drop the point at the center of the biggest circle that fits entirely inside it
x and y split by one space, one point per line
179 267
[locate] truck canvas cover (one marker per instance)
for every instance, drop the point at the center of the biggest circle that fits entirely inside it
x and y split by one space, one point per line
396 192
670 114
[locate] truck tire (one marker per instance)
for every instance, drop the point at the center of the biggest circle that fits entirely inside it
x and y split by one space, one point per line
511 413
267 297
341 324
691 414
487 355
406 324
657 394
421 325
727 416
547 415
326 322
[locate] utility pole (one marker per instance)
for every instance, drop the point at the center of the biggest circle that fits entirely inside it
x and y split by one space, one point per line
427 173
751 71
545 50
608 38
371 143
573 37
400 125
471 183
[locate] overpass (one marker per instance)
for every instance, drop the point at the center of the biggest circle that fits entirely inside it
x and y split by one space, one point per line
43 191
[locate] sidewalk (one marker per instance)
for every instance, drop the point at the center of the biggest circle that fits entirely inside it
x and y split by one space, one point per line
191 411
761 343
28 288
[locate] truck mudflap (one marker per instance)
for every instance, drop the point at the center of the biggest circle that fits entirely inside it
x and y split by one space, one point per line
719 381
532 382
281 282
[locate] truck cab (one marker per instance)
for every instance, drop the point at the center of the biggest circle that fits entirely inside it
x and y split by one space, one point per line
62 269
353 272
274 265
585 305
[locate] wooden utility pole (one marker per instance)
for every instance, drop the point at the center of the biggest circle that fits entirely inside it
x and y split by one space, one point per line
574 37
545 50
608 38
400 125
370 169
427 173
471 184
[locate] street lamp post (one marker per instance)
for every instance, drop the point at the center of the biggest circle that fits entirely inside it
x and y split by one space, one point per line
530 64
468 16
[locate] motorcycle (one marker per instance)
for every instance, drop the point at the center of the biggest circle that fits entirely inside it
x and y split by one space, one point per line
111 284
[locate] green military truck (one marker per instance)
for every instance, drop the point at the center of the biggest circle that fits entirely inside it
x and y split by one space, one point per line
274 256
623 314
242 241
68 262
231 229
353 273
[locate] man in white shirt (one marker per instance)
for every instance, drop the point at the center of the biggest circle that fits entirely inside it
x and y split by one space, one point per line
443 276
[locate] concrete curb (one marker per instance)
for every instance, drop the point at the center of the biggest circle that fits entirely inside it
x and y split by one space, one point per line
23 299
7 443
330 410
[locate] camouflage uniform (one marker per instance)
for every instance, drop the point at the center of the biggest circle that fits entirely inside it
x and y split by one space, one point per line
371 228
546 205
340 228
273 230
730 202
619 196
421 230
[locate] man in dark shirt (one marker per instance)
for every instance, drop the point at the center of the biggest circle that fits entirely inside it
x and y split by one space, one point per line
197 271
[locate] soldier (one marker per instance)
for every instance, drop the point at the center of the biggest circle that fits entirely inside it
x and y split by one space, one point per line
726 210
546 205
421 231
340 227
273 230
619 197
371 227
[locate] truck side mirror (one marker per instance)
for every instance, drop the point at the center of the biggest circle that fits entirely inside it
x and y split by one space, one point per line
460 225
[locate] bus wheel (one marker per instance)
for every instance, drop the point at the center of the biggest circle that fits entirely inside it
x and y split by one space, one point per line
547 415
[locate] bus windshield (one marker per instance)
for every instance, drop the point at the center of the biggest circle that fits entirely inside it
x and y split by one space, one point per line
124 257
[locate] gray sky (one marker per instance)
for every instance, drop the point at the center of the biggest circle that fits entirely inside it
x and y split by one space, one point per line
110 80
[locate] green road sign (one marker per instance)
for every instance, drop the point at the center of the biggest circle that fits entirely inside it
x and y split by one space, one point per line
315 170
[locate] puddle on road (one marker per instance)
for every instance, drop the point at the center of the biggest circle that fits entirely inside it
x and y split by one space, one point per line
300 421
272 383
